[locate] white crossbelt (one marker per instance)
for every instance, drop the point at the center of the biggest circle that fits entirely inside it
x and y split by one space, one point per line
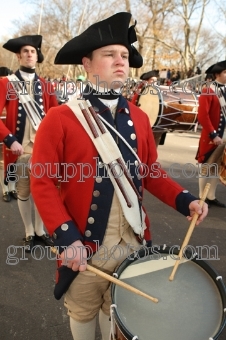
109 152
27 101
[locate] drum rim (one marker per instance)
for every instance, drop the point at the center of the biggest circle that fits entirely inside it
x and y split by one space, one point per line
163 249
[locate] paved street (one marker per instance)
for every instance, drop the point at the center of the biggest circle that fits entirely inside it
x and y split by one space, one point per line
28 308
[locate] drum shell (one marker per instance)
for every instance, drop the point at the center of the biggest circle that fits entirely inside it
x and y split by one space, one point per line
122 331
169 109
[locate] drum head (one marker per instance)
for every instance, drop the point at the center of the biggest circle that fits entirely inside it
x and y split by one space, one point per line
149 102
190 307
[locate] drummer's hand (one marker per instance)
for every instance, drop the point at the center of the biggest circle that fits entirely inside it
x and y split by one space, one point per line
75 256
17 148
217 140
194 207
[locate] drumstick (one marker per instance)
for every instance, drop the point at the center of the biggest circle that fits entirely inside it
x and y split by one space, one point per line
120 283
114 280
189 232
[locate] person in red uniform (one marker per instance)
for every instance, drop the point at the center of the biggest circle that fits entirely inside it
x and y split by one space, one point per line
146 79
18 133
212 119
9 190
88 212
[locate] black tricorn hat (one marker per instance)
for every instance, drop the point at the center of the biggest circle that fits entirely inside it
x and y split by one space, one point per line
5 71
114 30
217 68
148 75
14 45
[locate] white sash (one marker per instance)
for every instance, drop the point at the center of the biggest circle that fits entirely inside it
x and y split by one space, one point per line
109 152
223 106
28 102
221 98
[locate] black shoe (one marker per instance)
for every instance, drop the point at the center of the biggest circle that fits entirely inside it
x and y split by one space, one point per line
215 202
13 193
6 197
29 243
46 239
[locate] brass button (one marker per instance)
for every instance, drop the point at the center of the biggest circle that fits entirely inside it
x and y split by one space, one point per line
88 233
136 163
91 220
55 236
64 227
101 165
126 110
94 207
96 109
96 193
135 149
130 123
98 179
133 136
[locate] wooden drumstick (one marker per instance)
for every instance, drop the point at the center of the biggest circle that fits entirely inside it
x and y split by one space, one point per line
120 283
114 280
189 232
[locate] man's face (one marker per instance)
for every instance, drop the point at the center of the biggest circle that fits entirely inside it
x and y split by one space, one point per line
110 63
221 77
27 56
152 80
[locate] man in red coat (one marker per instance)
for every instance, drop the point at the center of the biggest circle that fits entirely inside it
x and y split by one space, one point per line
18 133
212 118
8 191
89 216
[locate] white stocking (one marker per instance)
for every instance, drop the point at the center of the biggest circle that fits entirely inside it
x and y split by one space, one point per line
39 227
4 187
105 325
213 185
25 209
83 330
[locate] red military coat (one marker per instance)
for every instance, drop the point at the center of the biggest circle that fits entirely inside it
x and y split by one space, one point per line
209 116
60 141
8 99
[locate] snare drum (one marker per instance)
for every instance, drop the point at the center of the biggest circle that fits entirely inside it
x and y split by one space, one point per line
191 307
169 109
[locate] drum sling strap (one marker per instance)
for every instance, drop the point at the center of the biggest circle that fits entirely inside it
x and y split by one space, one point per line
109 152
33 111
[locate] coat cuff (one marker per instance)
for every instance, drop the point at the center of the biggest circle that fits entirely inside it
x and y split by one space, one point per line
9 140
183 200
65 235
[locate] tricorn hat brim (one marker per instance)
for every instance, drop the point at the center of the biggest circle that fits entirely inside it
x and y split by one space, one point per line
5 71
217 68
148 75
114 30
14 45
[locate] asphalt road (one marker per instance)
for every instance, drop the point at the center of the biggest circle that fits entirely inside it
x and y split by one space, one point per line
28 308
